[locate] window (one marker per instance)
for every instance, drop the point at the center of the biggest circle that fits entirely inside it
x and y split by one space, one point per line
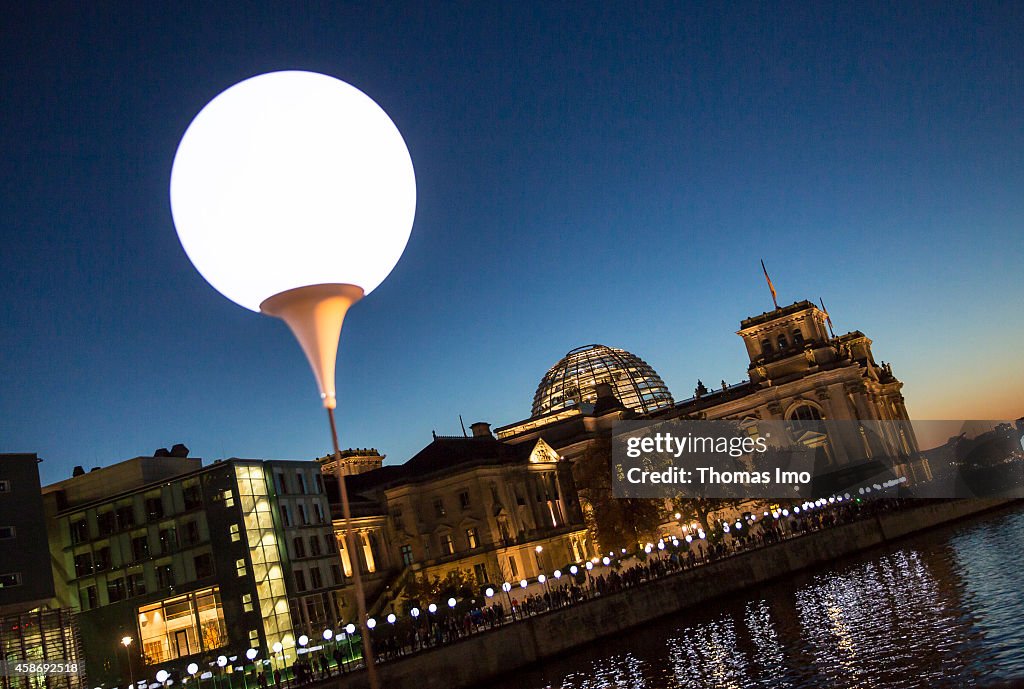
472 539
280 483
286 515
336 575
447 544
168 540
106 523
83 564
464 499
439 509
191 536
766 346
519 499
495 498
247 602
331 544
240 567
314 545
406 551
782 341
300 580
164 576
5 486
10 579
303 517
154 509
7 532
235 535
228 497
396 518
319 483
315 578
204 565
805 416
299 546
136 584
101 559
115 590
480 571
140 548
798 337
319 511
182 626
125 517
512 565
79 531
90 599
302 481
192 496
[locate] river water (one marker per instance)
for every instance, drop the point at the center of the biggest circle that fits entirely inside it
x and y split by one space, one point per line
945 609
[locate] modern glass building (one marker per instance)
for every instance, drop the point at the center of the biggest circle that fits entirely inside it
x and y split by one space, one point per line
573 381
188 563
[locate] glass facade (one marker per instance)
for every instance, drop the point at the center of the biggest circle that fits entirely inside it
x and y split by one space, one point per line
183 625
41 636
572 381
265 555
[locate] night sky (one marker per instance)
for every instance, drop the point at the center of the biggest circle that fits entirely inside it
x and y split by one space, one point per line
586 173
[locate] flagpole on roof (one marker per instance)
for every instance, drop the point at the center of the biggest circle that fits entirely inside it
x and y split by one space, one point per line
771 287
828 318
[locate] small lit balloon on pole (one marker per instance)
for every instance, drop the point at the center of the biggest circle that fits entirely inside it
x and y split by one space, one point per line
293 194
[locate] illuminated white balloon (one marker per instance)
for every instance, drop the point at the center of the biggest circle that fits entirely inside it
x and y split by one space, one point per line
292 179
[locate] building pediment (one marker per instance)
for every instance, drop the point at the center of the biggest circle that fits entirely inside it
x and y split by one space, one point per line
543 453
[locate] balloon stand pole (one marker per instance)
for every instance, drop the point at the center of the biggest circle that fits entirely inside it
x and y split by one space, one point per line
357 578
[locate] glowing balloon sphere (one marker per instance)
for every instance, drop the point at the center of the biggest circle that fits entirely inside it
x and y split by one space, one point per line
292 179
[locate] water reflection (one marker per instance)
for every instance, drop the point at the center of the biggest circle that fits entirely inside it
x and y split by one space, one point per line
941 610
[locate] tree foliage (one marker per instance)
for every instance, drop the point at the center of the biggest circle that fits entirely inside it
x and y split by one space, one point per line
613 522
457 583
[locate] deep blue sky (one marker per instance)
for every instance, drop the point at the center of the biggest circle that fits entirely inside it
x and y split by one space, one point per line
586 173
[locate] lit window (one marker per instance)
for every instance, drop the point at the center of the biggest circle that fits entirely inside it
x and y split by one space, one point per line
472 539
5 486
447 544
182 626
7 532
247 602
464 499
235 535
10 579
240 567
406 551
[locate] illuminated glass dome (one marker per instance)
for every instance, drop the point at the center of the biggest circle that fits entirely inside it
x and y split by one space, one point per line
572 380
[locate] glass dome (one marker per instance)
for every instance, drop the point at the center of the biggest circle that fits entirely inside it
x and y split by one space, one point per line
572 380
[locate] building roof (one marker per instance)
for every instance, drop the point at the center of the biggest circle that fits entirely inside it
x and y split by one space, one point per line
795 307
442 455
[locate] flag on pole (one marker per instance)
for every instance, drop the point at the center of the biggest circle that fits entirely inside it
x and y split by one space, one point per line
828 318
770 285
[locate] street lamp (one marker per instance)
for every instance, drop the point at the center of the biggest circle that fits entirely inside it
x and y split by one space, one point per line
293 194
126 641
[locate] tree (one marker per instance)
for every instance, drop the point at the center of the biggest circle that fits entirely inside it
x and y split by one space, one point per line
614 523
698 509
457 583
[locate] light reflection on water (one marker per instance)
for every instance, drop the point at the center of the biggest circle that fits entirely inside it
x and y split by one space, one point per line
941 610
